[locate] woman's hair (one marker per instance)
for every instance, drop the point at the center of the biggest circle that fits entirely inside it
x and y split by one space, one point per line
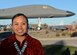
20 14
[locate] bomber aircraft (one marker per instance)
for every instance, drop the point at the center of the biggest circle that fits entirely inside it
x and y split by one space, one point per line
35 11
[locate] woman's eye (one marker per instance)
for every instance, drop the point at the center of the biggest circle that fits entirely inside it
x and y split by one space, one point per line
23 23
15 24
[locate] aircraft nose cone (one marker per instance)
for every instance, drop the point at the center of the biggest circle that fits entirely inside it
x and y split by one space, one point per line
70 13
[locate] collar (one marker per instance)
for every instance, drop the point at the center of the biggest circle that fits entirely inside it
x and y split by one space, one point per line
12 38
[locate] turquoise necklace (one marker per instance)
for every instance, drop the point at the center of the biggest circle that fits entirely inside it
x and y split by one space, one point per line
20 51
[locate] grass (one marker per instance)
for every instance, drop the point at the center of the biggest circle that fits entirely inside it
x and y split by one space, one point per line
59 50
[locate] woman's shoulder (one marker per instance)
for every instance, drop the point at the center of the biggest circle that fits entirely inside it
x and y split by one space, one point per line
4 42
34 40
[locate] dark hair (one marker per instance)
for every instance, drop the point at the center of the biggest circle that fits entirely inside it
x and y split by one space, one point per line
20 14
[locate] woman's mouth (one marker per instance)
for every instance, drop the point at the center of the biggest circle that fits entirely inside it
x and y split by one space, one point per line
20 31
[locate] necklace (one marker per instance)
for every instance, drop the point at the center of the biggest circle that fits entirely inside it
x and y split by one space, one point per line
20 51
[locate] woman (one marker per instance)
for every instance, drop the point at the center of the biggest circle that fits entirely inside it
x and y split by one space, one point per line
20 43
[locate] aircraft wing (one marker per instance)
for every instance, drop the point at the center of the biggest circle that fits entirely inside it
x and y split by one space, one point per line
35 11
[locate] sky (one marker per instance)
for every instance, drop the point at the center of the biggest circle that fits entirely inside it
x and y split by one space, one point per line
67 5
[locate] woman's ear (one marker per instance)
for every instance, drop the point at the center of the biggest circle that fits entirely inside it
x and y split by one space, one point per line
12 29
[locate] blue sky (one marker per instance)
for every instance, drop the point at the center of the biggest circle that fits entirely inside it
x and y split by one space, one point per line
69 5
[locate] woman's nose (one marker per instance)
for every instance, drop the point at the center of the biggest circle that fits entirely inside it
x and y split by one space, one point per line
20 26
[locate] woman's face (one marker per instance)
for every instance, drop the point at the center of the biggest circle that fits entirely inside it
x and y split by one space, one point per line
19 25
